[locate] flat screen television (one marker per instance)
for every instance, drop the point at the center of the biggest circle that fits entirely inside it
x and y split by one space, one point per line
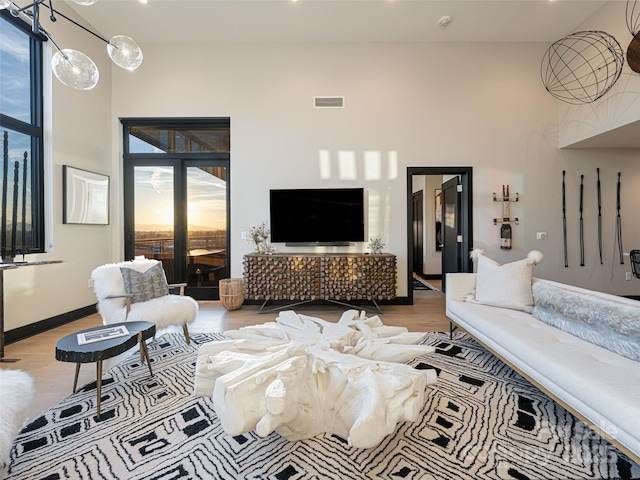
323 216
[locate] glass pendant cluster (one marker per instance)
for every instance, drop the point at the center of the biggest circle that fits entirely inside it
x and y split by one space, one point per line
73 68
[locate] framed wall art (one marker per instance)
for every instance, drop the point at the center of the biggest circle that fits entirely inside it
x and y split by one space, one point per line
85 197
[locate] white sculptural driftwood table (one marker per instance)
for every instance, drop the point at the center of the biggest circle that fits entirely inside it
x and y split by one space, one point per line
301 376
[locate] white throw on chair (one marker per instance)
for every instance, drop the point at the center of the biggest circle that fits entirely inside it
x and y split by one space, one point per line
138 291
16 394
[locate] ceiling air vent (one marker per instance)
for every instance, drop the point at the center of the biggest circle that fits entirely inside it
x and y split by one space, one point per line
328 102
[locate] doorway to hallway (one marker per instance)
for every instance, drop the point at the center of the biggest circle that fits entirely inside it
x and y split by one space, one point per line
439 222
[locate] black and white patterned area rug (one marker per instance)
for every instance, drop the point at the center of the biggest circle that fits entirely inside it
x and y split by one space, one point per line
481 420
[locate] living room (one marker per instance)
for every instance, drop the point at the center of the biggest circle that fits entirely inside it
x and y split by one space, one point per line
407 104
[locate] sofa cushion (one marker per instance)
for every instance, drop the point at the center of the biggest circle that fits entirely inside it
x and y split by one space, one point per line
506 286
146 285
605 320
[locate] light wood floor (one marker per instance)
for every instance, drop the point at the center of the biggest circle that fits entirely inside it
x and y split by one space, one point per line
54 380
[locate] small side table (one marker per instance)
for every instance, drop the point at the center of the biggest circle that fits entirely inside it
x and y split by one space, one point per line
68 350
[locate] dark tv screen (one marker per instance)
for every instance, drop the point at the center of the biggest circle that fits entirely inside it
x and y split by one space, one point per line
330 216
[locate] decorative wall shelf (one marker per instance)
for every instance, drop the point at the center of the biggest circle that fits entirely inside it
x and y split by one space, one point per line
506 201
506 220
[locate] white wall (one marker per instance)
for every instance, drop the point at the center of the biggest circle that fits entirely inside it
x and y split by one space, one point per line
406 105
80 133
481 105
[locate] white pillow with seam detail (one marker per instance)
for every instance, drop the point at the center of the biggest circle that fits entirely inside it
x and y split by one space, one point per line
505 286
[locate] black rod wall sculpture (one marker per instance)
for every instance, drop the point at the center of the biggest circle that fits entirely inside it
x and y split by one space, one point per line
564 220
599 217
581 221
619 221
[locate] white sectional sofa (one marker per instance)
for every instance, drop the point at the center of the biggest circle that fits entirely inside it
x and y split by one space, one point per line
598 385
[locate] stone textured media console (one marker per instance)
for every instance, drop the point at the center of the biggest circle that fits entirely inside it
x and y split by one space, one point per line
302 376
321 276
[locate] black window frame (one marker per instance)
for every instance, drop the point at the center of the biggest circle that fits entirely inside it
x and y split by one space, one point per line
34 129
180 161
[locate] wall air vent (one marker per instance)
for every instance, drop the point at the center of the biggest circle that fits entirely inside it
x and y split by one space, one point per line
328 102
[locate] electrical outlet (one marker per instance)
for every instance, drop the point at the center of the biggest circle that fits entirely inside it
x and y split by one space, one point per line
90 283
243 235
627 276
541 235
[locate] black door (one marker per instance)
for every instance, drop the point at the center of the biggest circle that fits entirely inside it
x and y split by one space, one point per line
451 232
176 199
462 219
418 227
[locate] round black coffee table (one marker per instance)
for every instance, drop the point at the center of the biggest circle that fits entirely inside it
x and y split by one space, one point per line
69 350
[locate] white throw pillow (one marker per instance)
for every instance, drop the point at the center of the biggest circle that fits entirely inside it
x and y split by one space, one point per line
508 285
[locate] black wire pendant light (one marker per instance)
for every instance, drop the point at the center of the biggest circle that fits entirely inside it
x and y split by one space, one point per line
633 24
580 68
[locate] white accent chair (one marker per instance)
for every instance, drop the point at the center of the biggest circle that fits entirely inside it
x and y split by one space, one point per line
16 394
138 291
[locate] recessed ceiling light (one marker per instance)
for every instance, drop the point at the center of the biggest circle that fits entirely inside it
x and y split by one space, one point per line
445 21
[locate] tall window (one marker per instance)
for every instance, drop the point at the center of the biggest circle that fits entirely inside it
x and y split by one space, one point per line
21 135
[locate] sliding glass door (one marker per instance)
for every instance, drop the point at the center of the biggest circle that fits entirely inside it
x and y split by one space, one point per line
176 199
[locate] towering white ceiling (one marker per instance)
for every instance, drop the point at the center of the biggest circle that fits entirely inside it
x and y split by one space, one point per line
173 21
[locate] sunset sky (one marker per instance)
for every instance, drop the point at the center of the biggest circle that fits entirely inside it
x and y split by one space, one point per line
154 198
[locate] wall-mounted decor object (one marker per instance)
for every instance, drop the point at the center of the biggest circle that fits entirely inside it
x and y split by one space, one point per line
580 68
506 220
85 197
581 221
619 221
633 24
599 189
564 220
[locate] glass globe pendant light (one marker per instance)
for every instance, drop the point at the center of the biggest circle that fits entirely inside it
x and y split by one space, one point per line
124 52
75 69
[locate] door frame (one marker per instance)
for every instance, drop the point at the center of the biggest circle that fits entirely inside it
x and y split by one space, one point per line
180 163
466 216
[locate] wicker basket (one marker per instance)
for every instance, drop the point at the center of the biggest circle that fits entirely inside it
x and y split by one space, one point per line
231 293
